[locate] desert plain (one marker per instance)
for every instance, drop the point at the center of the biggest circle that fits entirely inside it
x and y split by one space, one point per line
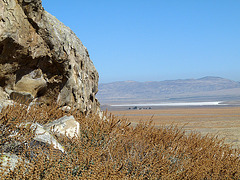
221 121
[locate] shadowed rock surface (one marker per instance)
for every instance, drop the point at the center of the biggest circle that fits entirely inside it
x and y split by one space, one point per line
42 58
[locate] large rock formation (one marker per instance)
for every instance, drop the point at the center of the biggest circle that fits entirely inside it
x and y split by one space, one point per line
42 58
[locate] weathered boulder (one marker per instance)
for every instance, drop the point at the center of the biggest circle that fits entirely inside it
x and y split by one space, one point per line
44 136
43 58
66 125
33 83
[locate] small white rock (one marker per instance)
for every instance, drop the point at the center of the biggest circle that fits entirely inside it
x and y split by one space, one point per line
65 125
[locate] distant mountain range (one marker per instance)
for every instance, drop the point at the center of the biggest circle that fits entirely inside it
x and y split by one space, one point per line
182 90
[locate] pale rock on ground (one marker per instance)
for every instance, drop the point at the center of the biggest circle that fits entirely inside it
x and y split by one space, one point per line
44 136
66 125
9 162
41 135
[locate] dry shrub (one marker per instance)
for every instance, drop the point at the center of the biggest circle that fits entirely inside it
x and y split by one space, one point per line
113 149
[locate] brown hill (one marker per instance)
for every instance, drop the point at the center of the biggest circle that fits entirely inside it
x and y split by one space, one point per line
184 90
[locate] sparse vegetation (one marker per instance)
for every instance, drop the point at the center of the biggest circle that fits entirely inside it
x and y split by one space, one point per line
114 149
221 121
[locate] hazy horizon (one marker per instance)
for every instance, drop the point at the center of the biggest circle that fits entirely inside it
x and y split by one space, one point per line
156 40
168 80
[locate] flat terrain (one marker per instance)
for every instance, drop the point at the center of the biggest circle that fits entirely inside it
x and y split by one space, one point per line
221 121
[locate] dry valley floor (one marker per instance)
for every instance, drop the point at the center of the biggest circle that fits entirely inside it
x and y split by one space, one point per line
221 121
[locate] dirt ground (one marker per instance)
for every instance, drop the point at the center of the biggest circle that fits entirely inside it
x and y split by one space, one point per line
221 121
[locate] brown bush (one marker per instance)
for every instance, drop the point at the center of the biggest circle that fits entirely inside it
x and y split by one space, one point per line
113 149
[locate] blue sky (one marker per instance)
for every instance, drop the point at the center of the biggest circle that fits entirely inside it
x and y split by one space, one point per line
154 40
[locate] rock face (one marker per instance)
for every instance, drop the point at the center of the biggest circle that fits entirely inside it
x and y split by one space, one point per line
42 58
